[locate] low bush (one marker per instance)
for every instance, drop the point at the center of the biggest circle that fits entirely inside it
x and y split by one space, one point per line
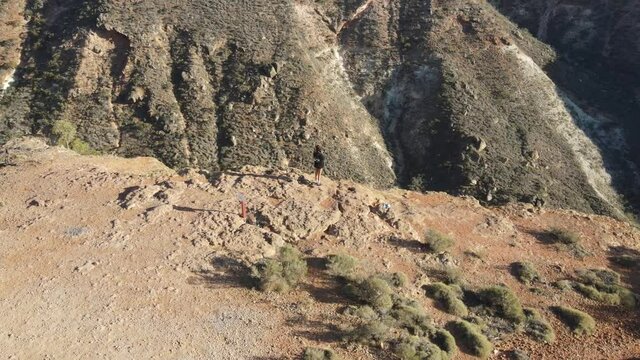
283 273
563 285
365 312
372 291
538 328
445 341
600 278
525 272
416 348
564 236
502 302
396 279
592 293
371 333
579 322
437 242
409 315
319 354
63 132
82 147
342 265
603 285
470 338
569 241
447 298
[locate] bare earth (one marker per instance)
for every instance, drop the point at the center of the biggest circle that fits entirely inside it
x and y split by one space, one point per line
103 257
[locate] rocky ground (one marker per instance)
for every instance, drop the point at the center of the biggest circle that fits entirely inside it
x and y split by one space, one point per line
104 257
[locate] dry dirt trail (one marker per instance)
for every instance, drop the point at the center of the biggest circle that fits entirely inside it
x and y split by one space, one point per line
111 258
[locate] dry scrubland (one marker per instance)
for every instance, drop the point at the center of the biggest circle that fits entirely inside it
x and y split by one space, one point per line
103 257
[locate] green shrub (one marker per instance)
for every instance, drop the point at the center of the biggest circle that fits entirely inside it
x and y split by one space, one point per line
525 272
319 354
564 236
341 265
502 302
538 328
371 333
416 348
437 242
604 285
82 147
445 341
396 279
294 267
564 285
448 298
283 273
579 322
365 312
568 240
373 291
592 293
63 132
470 337
628 299
411 316
600 278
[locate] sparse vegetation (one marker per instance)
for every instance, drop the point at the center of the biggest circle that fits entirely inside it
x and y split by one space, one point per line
342 265
579 322
396 279
82 147
604 285
416 348
437 242
283 273
569 240
538 328
372 291
626 260
388 315
564 236
417 183
371 333
319 354
409 315
477 252
448 299
470 337
365 312
525 272
564 285
63 133
502 302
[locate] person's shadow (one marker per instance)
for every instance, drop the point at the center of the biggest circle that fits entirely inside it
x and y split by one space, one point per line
189 209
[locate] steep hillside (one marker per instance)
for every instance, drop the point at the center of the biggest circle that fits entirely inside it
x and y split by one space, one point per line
599 65
104 257
446 96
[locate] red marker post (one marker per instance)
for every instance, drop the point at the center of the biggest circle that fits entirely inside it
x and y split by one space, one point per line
243 205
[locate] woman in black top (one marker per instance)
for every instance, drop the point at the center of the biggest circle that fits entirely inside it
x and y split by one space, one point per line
318 163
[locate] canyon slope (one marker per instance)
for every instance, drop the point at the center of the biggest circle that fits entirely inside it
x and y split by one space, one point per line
437 95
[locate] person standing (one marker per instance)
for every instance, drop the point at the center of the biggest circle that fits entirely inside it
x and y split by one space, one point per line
318 163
